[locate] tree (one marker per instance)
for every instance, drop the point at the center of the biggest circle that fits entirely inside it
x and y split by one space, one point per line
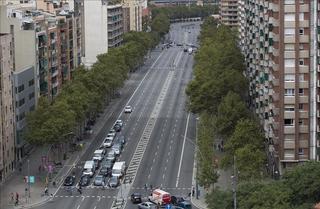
304 184
218 199
230 111
262 195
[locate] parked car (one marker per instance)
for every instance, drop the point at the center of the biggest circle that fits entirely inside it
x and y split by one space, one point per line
96 164
128 109
112 132
107 143
99 180
69 181
146 205
114 181
117 127
119 122
136 197
84 180
176 200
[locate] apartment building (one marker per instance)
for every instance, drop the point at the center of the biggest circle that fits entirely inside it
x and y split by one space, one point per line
134 12
7 118
115 25
229 12
95 31
280 43
25 73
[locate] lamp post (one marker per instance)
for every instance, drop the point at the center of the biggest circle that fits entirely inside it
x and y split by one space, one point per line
29 183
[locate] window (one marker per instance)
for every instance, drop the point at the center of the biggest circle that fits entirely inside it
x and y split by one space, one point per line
32 108
289 47
301 92
288 2
301 31
301 1
31 82
288 122
301 77
289 108
20 88
301 16
301 61
289 17
301 47
289 92
31 96
289 62
289 77
300 151
300 106
21 102
289 31
300 121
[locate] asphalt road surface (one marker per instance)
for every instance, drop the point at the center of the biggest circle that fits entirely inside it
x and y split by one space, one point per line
160 132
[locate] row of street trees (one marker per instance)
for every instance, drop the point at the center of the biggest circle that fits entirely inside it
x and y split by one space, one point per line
218 94
84 97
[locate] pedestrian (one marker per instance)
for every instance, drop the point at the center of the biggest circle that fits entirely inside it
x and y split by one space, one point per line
39 168
103 185
193 191
46 191
12 197
54 184
17 198
80 190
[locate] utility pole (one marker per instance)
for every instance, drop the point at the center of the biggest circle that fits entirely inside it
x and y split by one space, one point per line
234 183
29 185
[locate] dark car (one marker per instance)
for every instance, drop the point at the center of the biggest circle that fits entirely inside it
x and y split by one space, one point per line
117 127
69 181
85 180
105 171
122 140
175 200
136 197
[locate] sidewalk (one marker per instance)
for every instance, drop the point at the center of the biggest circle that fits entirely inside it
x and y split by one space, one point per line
16 184
224 183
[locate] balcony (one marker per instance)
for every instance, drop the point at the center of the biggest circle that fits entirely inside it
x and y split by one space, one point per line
289 129
303 129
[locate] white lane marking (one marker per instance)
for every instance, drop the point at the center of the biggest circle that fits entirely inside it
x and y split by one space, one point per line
82 198
78 207
182 151
99 198
95 207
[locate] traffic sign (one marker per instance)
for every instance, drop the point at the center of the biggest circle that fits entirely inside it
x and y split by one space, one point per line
168 206
31 179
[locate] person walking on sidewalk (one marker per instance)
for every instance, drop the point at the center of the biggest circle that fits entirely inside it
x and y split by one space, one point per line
17 199
46 191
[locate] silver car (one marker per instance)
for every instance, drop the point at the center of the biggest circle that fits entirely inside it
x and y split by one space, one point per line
111 155
117 148
114 181
99 180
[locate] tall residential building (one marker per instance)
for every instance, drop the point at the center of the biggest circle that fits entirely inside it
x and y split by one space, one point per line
279 39
95 30
7 118
229 12
135 13
115 25
25 70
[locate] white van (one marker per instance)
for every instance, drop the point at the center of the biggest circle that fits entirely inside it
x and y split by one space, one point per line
119 169
98 155
89 168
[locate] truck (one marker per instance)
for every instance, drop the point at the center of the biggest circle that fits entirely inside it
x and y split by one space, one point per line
119 169
161 197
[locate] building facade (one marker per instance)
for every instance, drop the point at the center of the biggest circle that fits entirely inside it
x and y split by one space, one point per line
135 14
115 25
280 43
229 12
95 30
7 118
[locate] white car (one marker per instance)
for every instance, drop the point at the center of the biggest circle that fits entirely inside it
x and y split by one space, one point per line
107 143
128 109
112 133
119 122
146 205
